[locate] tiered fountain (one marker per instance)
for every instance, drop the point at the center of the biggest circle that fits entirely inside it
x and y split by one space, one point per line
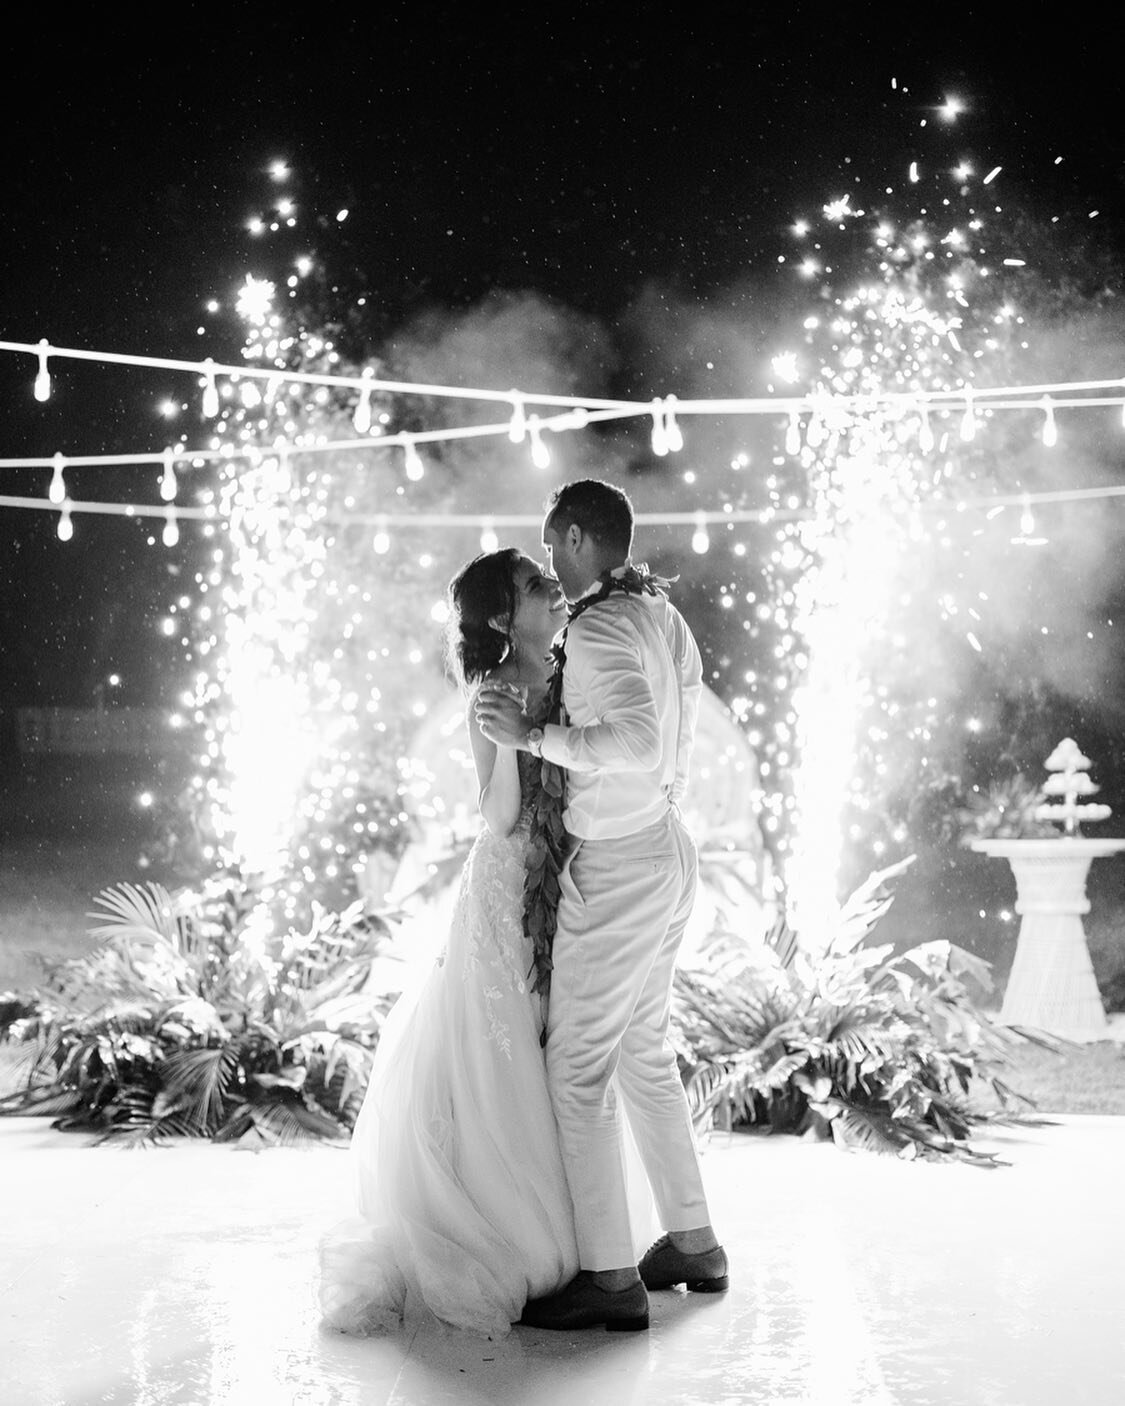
1052 985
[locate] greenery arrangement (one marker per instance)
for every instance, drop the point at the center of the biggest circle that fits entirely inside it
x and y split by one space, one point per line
1006 809
184 1020
181 1023
877 1052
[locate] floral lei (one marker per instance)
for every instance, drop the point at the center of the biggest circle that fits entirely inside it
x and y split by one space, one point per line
548 842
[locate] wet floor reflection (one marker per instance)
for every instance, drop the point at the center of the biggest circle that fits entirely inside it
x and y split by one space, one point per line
187 1275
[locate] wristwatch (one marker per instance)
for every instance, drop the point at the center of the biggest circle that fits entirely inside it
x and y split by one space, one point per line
535 741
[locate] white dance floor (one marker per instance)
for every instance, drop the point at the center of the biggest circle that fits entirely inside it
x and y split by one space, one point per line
186 1275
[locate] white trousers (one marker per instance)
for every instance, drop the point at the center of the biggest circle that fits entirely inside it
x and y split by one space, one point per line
623 908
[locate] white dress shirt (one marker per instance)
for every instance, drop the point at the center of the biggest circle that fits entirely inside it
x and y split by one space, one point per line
631 690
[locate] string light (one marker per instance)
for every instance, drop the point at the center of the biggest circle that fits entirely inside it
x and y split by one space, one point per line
207 369
969 419
65 527
57 491
793 434
361 418
43 376
540 455
517 429
585 410
1027 519
989 505
381 542
415 469
210 405
1050 429
672 431
168 477
659 433
489 541
171 534
700 541
925 433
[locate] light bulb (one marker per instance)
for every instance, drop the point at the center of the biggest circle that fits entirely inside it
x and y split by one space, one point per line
57 491
925 433
210 405
671 428
1050 429
43 376
361 418
171 533
168 478
65 527
659 433
415 469
489 542
540 456
969 419
793 434
700 541
517 430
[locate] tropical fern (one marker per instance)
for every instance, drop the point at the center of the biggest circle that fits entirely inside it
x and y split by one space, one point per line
878 1052
180 1023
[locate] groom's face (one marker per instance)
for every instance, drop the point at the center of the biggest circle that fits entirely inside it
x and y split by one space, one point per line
564 559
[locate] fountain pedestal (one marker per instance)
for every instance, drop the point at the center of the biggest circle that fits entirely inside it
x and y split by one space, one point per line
1052 985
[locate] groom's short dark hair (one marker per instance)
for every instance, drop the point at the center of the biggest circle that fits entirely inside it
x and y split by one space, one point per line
598 508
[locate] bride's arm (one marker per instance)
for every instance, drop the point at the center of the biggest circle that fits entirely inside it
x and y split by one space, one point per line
499 780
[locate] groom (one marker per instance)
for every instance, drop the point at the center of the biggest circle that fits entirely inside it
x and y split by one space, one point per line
631 687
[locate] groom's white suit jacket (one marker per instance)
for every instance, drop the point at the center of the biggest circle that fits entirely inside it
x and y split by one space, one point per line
631 691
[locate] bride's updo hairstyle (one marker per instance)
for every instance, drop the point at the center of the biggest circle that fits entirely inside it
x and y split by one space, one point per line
481 590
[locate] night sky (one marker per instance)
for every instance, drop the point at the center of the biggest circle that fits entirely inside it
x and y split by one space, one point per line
543 151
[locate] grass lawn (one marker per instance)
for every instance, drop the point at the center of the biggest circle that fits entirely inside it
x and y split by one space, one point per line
1082 1079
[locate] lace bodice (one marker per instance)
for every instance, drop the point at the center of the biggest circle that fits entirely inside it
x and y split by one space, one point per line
487 946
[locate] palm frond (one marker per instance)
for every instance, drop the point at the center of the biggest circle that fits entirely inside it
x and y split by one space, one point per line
289 1122
703 1087
864 1130
782 941
201 1079
866 905
136 1119
142 912
780 1072
40 1100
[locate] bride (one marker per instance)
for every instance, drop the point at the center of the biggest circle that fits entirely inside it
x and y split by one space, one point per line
462 1200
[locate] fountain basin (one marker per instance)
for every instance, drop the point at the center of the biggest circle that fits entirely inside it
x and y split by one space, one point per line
1052 986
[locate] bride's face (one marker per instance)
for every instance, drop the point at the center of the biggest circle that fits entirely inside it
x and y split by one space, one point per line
540 604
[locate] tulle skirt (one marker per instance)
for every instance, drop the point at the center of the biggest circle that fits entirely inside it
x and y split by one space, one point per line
462 1205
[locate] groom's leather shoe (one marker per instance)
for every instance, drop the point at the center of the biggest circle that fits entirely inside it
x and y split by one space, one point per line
582 1304
663 1266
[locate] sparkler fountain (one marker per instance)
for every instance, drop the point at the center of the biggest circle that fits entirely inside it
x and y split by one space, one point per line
304 679
881 583
871 465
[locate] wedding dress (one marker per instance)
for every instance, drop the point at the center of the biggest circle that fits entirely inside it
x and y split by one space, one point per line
462 1198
